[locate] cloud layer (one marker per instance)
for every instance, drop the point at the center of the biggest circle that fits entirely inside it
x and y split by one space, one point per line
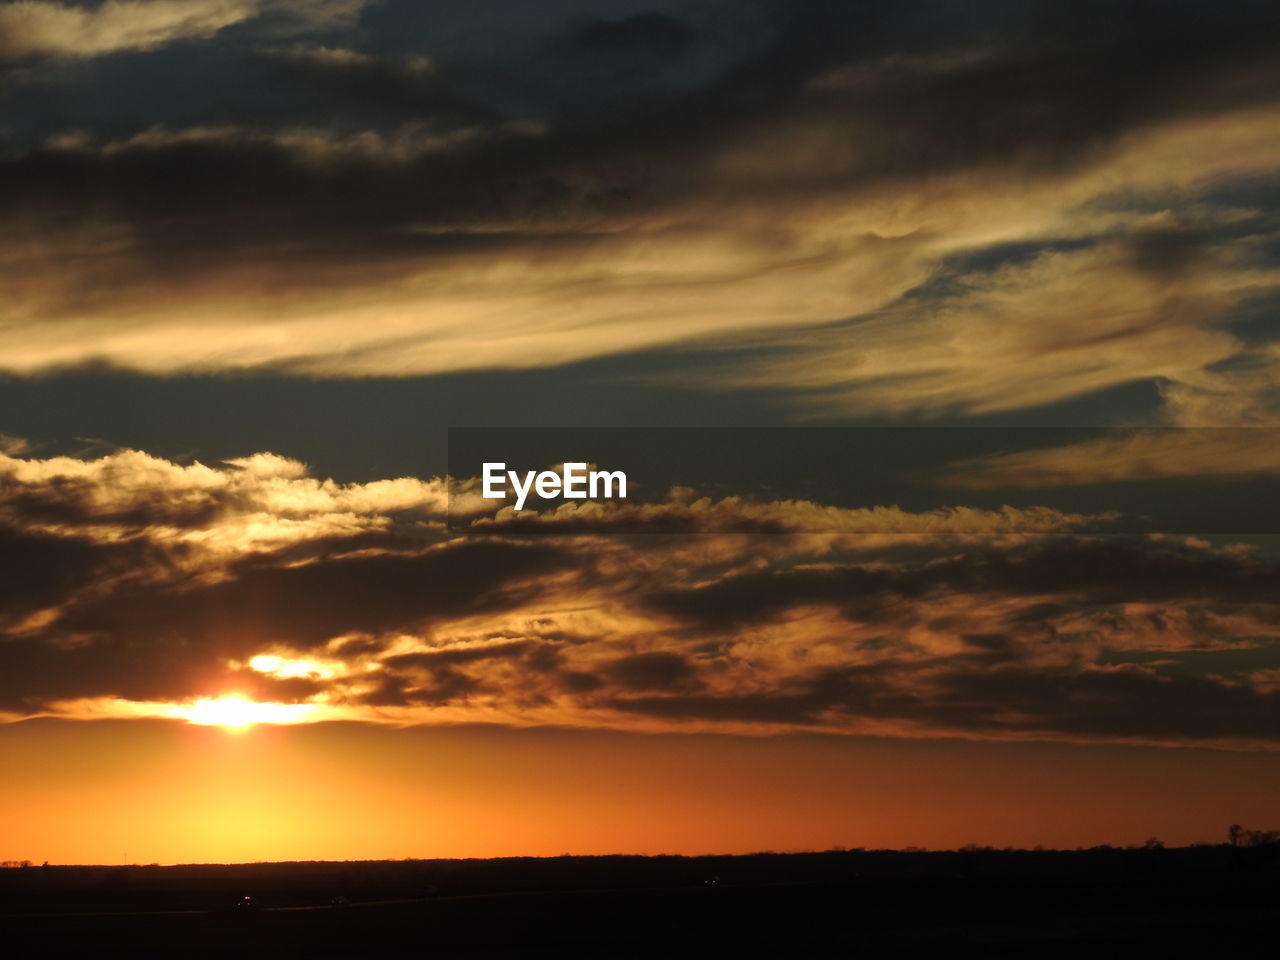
892 210
875 211
140 587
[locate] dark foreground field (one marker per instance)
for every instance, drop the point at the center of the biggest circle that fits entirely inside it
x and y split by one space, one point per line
1221 900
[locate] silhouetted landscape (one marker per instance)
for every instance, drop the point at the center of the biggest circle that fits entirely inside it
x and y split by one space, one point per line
1213 897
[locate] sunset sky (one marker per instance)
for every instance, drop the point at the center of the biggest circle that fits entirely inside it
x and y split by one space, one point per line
257 257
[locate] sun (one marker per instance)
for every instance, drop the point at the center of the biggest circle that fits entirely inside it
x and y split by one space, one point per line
235 712
232 711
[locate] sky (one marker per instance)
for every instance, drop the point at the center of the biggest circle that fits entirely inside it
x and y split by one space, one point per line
259 257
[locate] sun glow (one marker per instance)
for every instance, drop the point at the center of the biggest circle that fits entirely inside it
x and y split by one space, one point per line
238 713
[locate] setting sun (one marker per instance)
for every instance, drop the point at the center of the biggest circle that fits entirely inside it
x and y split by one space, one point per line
238 713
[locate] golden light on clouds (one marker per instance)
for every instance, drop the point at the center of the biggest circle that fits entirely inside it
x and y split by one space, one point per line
286 668
232 711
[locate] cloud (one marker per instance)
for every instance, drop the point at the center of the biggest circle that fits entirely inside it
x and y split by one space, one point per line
13 446
258 503
1065 323
684 511
410 87
869 210
114 608
652 671
642 41
1097 572
39 28
1133 456
970 214
306 146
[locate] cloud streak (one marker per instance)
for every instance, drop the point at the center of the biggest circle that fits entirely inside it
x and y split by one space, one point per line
38 28
1135 456
41 28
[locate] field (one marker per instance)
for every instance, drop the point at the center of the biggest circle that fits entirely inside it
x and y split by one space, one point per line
769 905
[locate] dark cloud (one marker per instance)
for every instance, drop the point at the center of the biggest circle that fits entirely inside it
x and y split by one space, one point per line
309 603
1040 89
789 710
1165 252
1111 703
1084 704
455 655
146 641
644 39
389 90
575 681
991 648
1106 571
652 671
40 571
389 691
445 684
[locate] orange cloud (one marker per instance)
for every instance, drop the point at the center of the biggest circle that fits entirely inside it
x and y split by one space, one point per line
954 622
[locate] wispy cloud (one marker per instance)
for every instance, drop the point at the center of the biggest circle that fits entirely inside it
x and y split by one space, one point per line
43 28
882 231
40 28
1133 456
